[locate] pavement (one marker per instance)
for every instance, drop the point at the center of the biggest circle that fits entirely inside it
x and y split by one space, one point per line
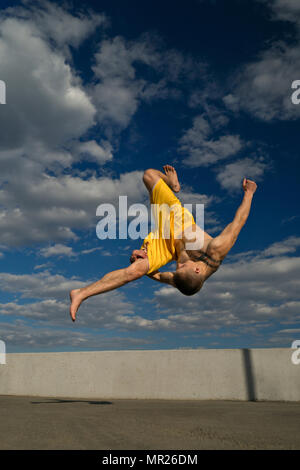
35 423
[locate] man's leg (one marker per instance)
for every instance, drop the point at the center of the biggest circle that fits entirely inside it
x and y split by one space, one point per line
151 177
110 281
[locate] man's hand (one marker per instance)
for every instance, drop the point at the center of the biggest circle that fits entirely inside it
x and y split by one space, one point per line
249 186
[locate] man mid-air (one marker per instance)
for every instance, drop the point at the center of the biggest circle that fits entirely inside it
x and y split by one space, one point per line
195 262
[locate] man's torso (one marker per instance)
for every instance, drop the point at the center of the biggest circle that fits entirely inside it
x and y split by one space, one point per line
202 251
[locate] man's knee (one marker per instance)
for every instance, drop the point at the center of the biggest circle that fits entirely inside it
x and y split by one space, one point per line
149 175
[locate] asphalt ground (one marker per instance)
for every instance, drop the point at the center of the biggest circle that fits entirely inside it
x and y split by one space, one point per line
35 423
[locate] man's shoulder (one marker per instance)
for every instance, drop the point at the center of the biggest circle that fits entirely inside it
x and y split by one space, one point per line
213 251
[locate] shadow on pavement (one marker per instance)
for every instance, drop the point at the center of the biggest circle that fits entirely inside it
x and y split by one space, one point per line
57 400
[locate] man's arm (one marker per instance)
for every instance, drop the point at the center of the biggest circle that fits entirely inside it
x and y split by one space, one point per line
166 277
222 244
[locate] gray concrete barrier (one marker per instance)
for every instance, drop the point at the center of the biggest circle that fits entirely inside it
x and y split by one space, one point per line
216 374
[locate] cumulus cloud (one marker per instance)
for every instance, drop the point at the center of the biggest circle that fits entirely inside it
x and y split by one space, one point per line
230 176
42 208
51 300
46 126
120 88
287 10
57 250
202 145
259 291
49 208
201 149
100 153
62 26
110 311
46 103
47 109
250 295
263 87
20 334
290 245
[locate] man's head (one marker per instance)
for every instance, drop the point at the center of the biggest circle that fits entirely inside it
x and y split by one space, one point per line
188 278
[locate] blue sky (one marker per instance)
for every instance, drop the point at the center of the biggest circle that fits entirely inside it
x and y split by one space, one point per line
99 91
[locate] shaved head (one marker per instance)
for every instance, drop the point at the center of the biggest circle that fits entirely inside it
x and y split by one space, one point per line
188 281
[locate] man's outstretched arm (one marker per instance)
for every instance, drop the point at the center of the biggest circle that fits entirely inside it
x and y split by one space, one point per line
110 281
222 244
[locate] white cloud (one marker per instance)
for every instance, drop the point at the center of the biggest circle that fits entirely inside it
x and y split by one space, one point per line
263 87
201 149
57 250
289 245
46 104
231 175
57 23
40 208
287 10
40 285
117 91
47 114
45 126
94 151
20 334
43 208
258 292
53 308
250 296
120 88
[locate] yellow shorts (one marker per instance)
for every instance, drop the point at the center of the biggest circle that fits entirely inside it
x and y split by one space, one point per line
170 219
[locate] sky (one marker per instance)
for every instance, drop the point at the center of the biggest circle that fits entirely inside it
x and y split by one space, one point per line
99 91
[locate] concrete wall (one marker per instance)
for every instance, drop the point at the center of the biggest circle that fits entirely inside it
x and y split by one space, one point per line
227 374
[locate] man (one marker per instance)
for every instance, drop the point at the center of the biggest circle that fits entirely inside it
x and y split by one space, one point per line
195 264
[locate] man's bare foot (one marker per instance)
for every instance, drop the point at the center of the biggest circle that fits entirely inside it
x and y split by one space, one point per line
172 178
76 300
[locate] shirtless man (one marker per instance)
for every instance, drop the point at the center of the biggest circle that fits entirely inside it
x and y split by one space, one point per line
194 266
